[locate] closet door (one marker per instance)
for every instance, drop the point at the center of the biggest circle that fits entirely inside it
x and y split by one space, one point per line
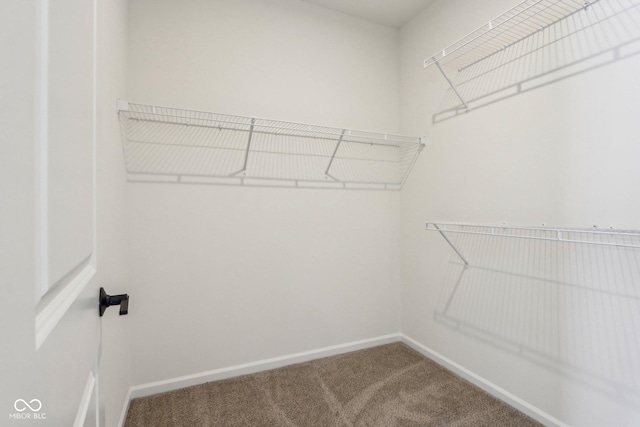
49 314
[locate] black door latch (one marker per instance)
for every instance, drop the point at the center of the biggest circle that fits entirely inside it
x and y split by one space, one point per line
109 300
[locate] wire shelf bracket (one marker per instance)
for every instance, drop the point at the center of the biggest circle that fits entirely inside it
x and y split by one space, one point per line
243 171
444 236
172 145
452 86
529 45
333 156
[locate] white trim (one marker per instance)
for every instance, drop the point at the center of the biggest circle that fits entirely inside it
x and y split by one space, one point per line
125 409
42 153
277 362
496 391
96 373
258 366
89 390
50 315
97 402
94 136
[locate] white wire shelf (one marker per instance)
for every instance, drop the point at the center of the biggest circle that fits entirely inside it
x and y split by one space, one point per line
530 42
597 237
547 294
176 145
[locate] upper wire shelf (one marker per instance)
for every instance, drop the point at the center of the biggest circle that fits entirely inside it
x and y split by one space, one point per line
514 25
534 39
177 145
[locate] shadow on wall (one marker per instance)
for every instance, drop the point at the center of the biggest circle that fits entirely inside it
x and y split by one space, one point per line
569 307
589 38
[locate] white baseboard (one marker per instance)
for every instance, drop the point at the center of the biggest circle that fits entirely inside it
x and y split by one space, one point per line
125 409
498 392
258 366
278 362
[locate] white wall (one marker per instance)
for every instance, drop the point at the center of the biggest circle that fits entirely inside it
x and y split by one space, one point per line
111 187
225 276
563 155
281 59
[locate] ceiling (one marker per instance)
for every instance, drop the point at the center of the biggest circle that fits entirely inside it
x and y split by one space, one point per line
394 13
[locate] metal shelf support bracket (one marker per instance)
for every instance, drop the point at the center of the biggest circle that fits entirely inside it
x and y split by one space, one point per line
243 171
333 156
466 263
453 87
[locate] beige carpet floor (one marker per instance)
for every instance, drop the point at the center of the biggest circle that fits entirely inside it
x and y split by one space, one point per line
390 385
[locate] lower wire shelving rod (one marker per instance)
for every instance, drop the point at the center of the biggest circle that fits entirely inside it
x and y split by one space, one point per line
631 238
